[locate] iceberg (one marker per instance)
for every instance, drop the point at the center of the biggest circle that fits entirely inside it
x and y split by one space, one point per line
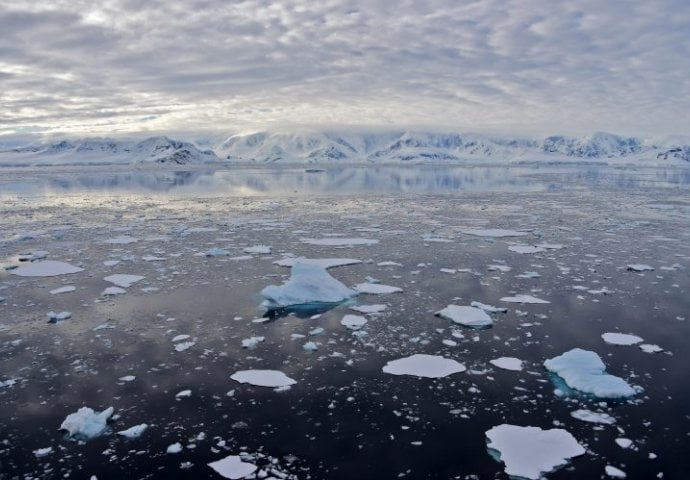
472 317
85 424
233 467
307 284
584 371
421 365
133 432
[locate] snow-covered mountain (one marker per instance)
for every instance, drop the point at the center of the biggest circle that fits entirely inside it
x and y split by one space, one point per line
107 151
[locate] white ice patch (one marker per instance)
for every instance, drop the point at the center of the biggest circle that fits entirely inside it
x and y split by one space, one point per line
307 284
339 241
252 342
639 267
353 322
621 339
183 394
112 291
258 250
488 308
133 432
65 289
651 348
54 317
526 249
498 268
583 370
376 289
507 363
523 299
123 280
233 467
593 417
263 378
614 472
47 268
42 452
121 240
493 232
174 448
127 378
85 424
111 263
468 316
624 442
421 365
528 452
369 309
319 262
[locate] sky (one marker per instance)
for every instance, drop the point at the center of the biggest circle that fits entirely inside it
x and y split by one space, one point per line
111 67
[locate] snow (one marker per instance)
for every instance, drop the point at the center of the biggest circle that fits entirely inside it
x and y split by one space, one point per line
422 365
593 417
112 291
493 232
528 452
353 322
65 289
507 363
376 289
527 249
583 370
233 467
523 299
467 316
46 268
174 448
339 241
133 432
614 472
639 267
621 339
307 284
258 250
319 262
263 378
123 280
85 424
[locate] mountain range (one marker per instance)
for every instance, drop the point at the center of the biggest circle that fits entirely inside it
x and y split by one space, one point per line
352 147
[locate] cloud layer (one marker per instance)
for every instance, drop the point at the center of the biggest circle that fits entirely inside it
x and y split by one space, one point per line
526 66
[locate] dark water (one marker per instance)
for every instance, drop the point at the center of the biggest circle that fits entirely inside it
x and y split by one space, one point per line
344 418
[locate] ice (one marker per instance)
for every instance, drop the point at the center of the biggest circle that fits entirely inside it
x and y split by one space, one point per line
174 448
527 249
127 378
111 263
624 442
467 316
353 322
639 267
123 280
179 338
263 378
370 309
258 250
319 262
65 289
122 240
528 452
583 370
593 417
307 284
54 317
422 365
86 424
183 394
310 347
389 263
216 252
252 342
339 241
507 363
651 348
523 299
47 268
621 339
182 346
233 467
493 232
112 291
42 452
614 472
376 288
133 432
33 256
499 268
488 308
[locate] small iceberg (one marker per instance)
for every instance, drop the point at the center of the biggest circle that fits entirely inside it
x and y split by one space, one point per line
376 289
421 365
263 378
583 370
639 267
353 322
471 317
620 338
54 317
86 424
529 452
258 250
523 299
593 417
133 432
233 467
526 249
507 363
123 280
47 268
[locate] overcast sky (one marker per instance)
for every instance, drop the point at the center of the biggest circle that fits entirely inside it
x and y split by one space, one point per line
520 66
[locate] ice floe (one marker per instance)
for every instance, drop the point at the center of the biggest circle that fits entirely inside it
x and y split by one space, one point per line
252 342
233 467
174 448
527 249
112 291
121 240
507 363
319 262
583 370
123 280
529 452
43 452
353 322
85 424
46 268
263 378
422 365
593 417
472 317
54 317
651 348
488 308
639 267
258 250
523 299
307 284
65 289
376 289
133 432
369 309
614 472
493 232
624 442
339 241
127 378
621 338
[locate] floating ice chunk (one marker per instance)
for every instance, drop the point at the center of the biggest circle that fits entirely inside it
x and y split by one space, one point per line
182 346
233 467
258 250
319 262
216 252
498 268
639 267
389 263
85 423
528 452
47 268
624 442
65 289
467 316
127 378
551 246
493 232
112 291
7 383
601 291
111 263
369 309
183 394
507 363
152 258
614 472
528 249
54 317
421 365
42 452
252 342
621 339
376 288
123 280
122 240
316 331
179 338
523 299
651 348
528 275
339 241
583 370
353 322
174 448
448 270
310 347
33 256
133 432
307 284
488 308
263 378
593 417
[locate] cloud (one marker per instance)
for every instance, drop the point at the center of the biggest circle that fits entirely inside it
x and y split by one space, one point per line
539 65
